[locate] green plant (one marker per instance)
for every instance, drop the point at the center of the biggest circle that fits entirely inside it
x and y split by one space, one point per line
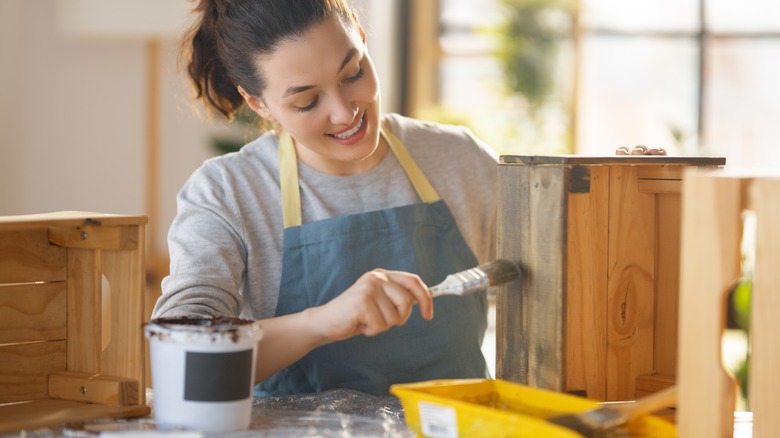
528 46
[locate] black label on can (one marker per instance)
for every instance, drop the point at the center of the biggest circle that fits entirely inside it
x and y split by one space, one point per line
216 377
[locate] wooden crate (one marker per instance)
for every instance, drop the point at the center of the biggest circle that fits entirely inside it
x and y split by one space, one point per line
71 318
599 238
712 233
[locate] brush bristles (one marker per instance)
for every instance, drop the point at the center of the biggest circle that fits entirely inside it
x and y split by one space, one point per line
500 271
591 423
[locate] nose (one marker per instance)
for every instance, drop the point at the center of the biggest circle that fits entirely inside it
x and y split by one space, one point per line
344 110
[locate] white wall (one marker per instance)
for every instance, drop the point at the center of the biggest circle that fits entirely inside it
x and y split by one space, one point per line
73 122
72 116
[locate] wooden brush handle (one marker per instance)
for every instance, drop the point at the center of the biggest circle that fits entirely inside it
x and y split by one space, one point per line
645 405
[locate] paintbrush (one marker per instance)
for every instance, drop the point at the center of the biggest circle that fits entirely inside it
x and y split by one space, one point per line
489 274
595 422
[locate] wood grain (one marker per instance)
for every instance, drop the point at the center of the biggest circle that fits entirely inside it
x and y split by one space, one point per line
546 261
93 388
95 237
667 283
511 303
41 413
32 312
26 256
84 310
24 369
586 284
125 354
764 385
710 263
631 280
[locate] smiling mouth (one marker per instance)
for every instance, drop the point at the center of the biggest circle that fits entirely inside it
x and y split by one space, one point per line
351 132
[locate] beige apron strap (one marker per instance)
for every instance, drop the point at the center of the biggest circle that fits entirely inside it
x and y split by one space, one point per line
291 193
288 179
420 182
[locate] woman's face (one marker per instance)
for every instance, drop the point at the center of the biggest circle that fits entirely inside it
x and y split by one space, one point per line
322 89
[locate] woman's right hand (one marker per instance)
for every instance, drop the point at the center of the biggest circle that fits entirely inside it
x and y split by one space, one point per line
377 301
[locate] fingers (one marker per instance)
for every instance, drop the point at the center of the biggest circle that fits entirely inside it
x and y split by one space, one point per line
639 150
414 286
391 299
377 301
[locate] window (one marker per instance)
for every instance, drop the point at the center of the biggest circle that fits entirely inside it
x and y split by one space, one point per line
694 76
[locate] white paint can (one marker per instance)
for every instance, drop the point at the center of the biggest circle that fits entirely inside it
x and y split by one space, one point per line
203 372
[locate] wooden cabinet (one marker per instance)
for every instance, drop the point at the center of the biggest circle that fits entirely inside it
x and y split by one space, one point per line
599 239
71 318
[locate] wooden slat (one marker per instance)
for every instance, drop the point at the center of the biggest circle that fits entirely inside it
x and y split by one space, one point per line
95 237
84 310
650 383
93 388
631 288
125 354
661 172
66 219
659 186
667 284
32 312
43 413
709 265
546 311
764 385
26 256
586 310
24 367
511 304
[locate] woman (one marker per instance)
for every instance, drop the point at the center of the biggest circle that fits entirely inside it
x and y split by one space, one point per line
328 228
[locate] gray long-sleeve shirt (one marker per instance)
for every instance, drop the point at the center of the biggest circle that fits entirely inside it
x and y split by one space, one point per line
226 240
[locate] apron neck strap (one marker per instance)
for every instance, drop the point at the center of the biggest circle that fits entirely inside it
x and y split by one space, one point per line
288 175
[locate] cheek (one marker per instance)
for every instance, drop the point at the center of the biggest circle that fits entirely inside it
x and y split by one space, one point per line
369 86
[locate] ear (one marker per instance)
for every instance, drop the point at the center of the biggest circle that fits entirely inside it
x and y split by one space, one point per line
256 104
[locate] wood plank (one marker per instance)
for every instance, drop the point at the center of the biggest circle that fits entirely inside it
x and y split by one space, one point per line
709 265
764 385
26 256
125 354
631 280
32 312
95 237
84 310
667 284
546 294
659 186
586 310
626 160
67 219
513 243
650 383
93 388
46 413
24 367
661 172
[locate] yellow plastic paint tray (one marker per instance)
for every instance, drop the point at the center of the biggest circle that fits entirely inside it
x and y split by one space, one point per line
497 408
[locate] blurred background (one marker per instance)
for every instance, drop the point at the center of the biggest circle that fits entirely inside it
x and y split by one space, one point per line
96 116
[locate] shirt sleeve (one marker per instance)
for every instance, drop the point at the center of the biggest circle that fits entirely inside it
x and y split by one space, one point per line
208 255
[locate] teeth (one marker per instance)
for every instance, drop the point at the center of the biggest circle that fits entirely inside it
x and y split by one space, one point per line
351 132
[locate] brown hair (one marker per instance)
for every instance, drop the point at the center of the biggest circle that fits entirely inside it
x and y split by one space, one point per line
222 47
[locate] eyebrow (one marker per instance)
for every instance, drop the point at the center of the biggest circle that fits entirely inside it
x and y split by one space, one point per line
299 89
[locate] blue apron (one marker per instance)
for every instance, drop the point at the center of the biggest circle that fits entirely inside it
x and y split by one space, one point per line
322 259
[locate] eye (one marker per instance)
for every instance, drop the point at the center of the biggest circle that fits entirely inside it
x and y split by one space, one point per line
309 107
355 77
